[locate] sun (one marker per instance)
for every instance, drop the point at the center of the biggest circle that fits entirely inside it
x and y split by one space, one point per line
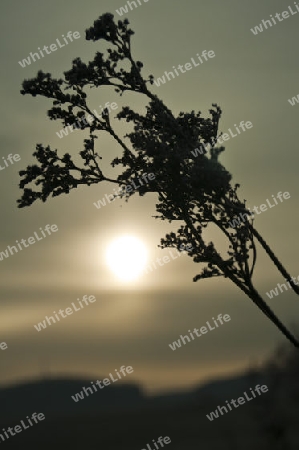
126 256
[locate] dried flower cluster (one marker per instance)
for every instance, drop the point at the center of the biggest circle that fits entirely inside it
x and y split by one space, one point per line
195 191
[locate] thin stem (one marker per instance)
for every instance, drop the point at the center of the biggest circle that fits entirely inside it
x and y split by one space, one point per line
274 258
253 294
257 299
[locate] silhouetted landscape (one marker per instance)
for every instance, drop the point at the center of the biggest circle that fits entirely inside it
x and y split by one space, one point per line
124 417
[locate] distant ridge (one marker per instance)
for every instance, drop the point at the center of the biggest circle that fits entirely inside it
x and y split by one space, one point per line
53 396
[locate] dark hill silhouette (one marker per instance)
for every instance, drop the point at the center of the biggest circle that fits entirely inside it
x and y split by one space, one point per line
53 396
121 416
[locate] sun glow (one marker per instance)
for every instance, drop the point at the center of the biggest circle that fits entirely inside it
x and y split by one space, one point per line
126 257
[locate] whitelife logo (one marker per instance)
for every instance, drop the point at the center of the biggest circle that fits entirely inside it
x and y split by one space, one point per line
123 189
53 47
275 292
214 414
124 9
160 441
166 259
203 330
294 100
223 137
3 346
285 15
188 66
263 207
11 158
68 311
31 240
105 381
87 120
36 417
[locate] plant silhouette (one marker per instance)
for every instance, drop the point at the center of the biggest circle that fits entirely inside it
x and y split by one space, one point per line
195 191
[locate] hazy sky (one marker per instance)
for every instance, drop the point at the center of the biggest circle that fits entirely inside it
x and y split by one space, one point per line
251 78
